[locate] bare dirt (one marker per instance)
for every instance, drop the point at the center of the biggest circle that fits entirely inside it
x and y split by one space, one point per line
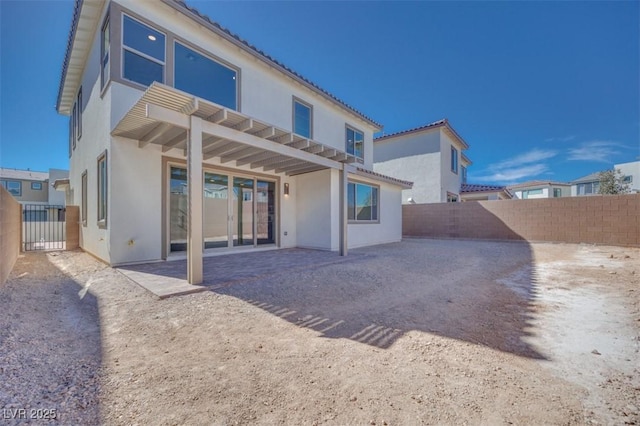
421 332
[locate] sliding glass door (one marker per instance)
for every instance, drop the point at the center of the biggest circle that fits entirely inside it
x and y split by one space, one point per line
238 211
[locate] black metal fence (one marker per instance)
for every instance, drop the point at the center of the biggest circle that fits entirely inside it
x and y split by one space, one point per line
43 227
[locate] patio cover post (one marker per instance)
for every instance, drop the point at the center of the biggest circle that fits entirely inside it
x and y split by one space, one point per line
343 209
194 202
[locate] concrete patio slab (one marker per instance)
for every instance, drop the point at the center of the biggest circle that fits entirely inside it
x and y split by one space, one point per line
169 278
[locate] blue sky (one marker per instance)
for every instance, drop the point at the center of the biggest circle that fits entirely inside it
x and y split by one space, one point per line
539 90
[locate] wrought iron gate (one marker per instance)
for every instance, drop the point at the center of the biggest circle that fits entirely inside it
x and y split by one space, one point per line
43 227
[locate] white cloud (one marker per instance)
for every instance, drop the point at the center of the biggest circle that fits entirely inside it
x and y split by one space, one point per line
598 151
561 139
527 165
515 174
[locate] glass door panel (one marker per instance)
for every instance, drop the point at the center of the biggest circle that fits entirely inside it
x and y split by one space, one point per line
242 215
178 209
265 207
216 210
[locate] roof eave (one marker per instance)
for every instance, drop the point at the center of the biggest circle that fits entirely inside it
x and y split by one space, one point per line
84 25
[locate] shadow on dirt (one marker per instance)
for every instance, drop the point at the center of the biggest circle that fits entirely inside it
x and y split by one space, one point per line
50 346
475 291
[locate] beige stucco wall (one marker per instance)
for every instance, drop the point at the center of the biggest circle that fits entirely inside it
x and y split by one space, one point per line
10 224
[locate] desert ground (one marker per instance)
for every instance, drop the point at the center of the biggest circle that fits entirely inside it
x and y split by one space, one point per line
419 332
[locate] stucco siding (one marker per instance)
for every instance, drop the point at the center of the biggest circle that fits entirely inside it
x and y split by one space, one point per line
450 181
314 210
389 229
423 170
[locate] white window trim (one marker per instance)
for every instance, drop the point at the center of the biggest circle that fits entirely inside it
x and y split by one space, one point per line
349 127
104 198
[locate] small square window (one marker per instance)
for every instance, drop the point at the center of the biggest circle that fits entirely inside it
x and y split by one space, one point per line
36 186
355 142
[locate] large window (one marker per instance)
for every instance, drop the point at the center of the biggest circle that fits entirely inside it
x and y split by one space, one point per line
588 188
529 192
13 186
204 77
142 52
355 142
102 190
302 118
454 160
84 199
362 202
105 43
557 192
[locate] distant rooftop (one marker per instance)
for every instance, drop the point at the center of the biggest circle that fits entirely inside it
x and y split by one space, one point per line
469 187
538 183
593 177
7 173
440 123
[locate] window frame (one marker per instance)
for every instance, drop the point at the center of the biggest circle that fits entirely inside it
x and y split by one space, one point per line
102 198
211 57
105 53
452 198
5 184
355 220
74 125
346 142
454 159
293 116
84 184
557 191
34 186
79 116
124 47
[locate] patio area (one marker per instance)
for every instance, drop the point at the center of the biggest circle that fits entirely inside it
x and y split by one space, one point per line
169 278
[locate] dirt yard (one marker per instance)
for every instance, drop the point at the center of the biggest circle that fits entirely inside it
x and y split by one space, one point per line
421 332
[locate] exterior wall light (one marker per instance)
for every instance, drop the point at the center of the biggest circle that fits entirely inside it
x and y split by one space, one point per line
286 189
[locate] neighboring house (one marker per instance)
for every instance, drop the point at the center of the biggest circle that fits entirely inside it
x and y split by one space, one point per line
36 190
184 137
430 156
471 192
631 173
590 184
540 189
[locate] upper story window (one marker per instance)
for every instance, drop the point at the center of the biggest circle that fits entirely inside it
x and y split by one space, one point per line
355 142
74 125
142 52
204 77
102 190
529 192
79 118
627 179
302 118
105 43
454 160
464 174
13 186
588 188
36 186
362 202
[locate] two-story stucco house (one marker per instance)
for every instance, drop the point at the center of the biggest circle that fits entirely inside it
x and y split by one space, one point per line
186 139
540 189
430 156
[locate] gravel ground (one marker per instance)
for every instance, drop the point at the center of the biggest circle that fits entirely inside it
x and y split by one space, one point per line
425 331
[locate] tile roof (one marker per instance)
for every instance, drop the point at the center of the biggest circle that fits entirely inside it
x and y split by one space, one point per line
538 183
216 27
438 123
593 177
6 173
380 176
469 187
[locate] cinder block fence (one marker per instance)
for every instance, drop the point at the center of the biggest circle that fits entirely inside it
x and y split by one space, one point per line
603 219
10 231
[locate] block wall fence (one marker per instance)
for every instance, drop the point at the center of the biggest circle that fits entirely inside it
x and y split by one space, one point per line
601 219
10 232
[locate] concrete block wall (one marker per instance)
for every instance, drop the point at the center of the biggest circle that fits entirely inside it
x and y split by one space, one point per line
10 231
605 219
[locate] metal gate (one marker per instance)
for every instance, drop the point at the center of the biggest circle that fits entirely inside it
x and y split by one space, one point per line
43 227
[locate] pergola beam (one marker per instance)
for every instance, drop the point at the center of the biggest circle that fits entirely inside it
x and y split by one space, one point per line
153 134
